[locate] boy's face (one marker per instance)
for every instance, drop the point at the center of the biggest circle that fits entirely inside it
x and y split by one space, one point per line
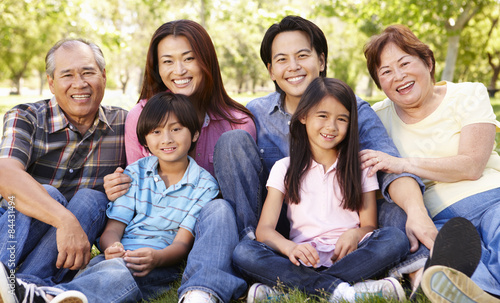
170 142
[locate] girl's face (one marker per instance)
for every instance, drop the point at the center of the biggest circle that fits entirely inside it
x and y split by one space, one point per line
170 142
404 78
178 67
295 63
326 125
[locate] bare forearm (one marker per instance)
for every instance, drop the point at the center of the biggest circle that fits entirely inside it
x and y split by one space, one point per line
449 169
173 254
35 202
406 193
275 240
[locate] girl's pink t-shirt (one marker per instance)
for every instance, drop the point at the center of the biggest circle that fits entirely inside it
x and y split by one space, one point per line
213 127
318 219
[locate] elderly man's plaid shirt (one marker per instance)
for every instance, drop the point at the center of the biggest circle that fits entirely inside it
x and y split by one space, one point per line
53 151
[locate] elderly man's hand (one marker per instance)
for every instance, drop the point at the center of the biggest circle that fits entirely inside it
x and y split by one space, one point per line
73 246
116 184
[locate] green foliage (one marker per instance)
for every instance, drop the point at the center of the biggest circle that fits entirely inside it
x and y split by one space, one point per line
123 28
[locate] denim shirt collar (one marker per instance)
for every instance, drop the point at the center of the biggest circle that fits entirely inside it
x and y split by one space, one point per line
278 105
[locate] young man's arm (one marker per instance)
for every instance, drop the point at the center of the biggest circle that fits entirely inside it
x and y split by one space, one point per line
406 193
404 189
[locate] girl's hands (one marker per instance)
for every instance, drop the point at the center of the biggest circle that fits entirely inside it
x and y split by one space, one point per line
142 261
346 244
304 252
114 251
380 161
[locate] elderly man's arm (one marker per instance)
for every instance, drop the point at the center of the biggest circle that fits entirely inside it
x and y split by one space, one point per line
32 200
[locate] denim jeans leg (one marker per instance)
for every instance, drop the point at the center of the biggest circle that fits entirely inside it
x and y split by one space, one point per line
89 207
384 248
158 281
20 234
239 170
390 214
258 262
209 265
483 210
105 281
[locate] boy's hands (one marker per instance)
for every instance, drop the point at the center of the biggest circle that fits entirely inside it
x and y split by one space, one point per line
304 252
114 251
142 261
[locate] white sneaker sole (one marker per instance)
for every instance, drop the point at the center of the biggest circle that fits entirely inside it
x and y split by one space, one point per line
442 284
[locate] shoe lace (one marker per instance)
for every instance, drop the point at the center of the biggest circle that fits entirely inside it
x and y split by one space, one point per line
31 292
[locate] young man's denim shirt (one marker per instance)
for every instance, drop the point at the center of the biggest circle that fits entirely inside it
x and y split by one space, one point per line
273 128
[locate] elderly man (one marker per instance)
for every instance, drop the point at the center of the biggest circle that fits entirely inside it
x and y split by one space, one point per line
53 157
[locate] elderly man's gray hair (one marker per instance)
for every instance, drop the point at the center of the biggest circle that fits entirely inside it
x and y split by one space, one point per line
50 64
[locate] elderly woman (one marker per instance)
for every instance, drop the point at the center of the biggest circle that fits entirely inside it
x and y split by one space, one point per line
446 133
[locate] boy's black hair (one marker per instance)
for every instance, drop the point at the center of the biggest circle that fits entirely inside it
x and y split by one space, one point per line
157 110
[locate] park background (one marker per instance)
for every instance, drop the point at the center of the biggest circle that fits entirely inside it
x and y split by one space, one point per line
464 35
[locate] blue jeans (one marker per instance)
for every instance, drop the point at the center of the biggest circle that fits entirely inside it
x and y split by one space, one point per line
209 265
483 210
35 246
111 281
382 250
391 215
242 179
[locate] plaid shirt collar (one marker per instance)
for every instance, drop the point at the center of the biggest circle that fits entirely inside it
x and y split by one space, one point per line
56 119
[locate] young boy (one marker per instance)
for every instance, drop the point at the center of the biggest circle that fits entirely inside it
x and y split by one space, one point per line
150 228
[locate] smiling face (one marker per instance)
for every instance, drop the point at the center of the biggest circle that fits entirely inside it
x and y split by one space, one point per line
326 125
178 67
78 84
170 142
404 78
295 63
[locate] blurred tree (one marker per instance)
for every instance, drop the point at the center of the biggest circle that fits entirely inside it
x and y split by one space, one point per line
26 30
425 17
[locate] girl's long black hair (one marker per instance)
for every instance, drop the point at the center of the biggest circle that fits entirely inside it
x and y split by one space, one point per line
348 166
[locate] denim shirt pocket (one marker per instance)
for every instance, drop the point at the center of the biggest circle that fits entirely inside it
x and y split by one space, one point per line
267 152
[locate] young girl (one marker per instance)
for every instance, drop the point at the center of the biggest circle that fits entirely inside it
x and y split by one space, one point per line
331 208
150 228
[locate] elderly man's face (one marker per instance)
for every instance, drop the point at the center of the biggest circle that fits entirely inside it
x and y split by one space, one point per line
78 84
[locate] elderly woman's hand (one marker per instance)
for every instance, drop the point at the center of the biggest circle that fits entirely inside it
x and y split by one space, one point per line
379 161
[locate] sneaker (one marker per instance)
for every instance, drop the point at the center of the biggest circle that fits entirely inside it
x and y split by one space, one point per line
388 288
13 290
70 296
260 292
444 284
198 296
458 246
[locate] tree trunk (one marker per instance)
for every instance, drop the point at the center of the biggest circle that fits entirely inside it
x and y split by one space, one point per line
43 78
451 57
17 85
